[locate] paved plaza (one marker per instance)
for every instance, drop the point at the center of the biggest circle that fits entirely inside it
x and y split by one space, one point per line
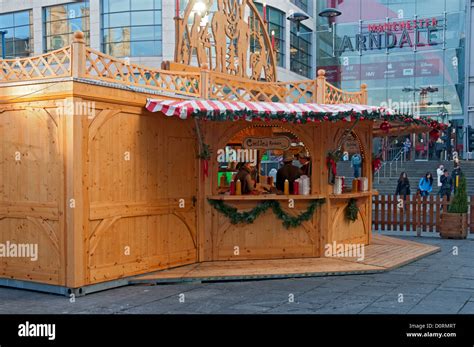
440 283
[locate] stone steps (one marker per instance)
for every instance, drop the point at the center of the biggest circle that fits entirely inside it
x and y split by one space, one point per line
415 170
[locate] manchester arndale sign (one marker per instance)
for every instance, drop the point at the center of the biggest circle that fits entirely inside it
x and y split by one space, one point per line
400 34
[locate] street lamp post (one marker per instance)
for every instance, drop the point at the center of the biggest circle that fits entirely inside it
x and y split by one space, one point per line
331 13
298 17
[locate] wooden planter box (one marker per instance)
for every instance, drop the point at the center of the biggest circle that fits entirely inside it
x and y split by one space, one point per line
453 225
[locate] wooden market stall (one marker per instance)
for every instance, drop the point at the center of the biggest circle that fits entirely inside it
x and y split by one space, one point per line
107 189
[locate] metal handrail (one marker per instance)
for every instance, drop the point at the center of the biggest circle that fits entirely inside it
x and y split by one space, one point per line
399 157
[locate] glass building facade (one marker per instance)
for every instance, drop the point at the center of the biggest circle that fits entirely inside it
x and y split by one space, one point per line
410 53
19 33
300 50
132 28
61 21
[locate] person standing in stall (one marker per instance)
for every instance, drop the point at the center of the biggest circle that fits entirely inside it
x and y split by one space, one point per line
305 162
287 172
244 175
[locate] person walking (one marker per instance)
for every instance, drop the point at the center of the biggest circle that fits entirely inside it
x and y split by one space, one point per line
439 147
426 184
446 185
403 186
407 148
440 173
456 175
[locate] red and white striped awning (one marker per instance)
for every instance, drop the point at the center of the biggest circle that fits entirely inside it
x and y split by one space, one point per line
187 108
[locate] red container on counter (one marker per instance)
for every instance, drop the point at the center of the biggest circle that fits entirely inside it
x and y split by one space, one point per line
296 188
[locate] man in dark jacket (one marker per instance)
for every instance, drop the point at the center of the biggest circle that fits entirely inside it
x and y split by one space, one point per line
287 172
244 175
446 185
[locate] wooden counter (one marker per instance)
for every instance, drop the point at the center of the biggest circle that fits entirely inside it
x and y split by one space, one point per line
265 197
354 195
266 237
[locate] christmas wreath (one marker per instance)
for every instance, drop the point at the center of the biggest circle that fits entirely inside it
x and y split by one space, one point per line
352 211
249 217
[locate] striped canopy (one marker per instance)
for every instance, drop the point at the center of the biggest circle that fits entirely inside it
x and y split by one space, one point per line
185 109
297 113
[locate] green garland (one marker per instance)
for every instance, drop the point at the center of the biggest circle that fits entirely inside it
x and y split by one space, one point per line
249 216
307 117
205 152
352 211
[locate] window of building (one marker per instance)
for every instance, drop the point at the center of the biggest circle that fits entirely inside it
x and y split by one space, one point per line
62 21
303 4
19 33
132 28
300 50
276 24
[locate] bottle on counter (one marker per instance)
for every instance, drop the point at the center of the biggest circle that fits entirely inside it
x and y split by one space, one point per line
238 188
355 185
286 189
223 181
232 188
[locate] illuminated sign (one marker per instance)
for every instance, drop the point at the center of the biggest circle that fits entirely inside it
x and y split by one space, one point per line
400 34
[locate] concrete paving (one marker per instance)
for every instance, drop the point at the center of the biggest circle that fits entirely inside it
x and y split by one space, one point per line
438 284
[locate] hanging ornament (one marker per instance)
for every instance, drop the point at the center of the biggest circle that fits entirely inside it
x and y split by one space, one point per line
385 126
434 135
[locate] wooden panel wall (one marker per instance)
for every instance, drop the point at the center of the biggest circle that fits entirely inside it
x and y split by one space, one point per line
95 215
31 191
335 227
140 165
266 238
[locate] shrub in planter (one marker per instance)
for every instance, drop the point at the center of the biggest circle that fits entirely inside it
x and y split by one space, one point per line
453 224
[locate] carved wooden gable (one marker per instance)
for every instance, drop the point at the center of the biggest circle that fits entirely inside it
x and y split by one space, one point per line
228 36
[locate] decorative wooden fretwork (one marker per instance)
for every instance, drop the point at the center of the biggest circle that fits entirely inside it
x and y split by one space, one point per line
230 88
335 95
221 36
107 68
50 65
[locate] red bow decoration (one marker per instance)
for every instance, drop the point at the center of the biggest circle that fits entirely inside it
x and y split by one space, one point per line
385 126
205 168
377 163
331 163
434 134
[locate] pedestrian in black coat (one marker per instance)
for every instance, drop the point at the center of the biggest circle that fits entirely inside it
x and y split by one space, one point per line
403 186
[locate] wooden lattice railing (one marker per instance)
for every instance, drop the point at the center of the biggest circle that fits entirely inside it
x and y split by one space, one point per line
231 88
103 67
334 95
50 65
80 61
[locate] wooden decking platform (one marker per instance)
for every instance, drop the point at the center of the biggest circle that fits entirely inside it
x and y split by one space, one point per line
385 253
